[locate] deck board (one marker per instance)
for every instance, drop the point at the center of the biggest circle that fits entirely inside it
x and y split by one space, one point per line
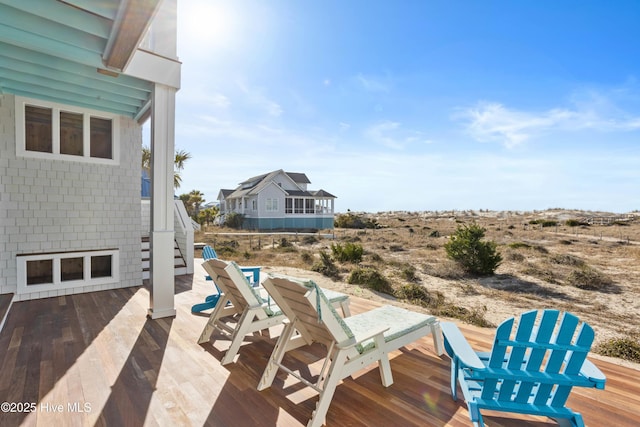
100 349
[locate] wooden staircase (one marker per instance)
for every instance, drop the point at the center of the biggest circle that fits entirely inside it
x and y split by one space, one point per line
178 260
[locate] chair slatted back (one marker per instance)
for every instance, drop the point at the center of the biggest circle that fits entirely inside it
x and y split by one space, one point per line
300 302
537 358
233 284
208 253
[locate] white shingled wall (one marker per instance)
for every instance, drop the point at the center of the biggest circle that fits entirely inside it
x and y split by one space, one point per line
50 205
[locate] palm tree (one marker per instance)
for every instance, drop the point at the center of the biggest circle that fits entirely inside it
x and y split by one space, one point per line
192 202
178 163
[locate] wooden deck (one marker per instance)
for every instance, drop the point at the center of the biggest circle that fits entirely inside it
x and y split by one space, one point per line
95 359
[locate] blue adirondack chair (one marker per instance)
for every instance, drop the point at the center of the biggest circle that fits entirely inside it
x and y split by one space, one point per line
211 300
531 368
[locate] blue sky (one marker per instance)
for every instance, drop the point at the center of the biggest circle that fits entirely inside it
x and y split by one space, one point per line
416 105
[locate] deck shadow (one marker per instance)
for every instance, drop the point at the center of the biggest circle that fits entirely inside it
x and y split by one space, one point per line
133 389
43 338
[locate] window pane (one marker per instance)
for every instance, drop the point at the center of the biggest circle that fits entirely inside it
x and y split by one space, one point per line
39 271
71 134
309 206
299 205
72 269
38 129
101 143
101 266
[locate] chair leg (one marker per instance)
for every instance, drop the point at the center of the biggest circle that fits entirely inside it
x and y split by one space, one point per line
475 415
277 354
242 329
436 334
575 421
205 336
346 311
454 378
383 363
328 389
385 370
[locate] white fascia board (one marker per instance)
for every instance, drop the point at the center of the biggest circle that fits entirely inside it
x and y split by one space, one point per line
154 68
272 183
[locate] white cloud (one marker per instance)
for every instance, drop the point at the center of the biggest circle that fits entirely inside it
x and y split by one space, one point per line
204 97
377 179
373 84
256 97
494 122
491 121
391 134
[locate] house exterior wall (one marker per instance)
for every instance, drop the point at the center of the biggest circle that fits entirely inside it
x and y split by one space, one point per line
53 206
270 192
286 183
288 223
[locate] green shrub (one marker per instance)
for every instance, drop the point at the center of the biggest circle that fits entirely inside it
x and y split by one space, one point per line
286 246
541 273
371 278
623 348
284 243
589 278
475 256
419 295
234 220
349 252
326 266
574 223
227 248
306 257
515 256
434 233
519 245
375 257
566 259
544 222
408 273
350 220
309 240
474 316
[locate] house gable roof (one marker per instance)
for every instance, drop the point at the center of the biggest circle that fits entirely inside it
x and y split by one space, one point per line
298 178
322 193
254 185
224 193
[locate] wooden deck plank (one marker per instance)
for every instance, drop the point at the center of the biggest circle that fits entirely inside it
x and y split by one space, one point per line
100 349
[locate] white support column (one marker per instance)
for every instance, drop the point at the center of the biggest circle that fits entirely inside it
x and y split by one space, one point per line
162 234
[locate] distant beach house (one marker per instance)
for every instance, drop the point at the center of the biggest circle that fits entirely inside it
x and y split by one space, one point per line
279 200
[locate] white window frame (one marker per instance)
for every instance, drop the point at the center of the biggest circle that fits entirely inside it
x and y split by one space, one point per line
58 283
271 205
87 114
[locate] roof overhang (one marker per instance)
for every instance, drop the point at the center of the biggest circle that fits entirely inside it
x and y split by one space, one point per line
83 53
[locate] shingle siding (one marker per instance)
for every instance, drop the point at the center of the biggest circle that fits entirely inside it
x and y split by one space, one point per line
58 205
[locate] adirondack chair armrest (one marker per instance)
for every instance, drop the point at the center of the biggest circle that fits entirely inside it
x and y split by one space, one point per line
594 374
456 344
363 337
